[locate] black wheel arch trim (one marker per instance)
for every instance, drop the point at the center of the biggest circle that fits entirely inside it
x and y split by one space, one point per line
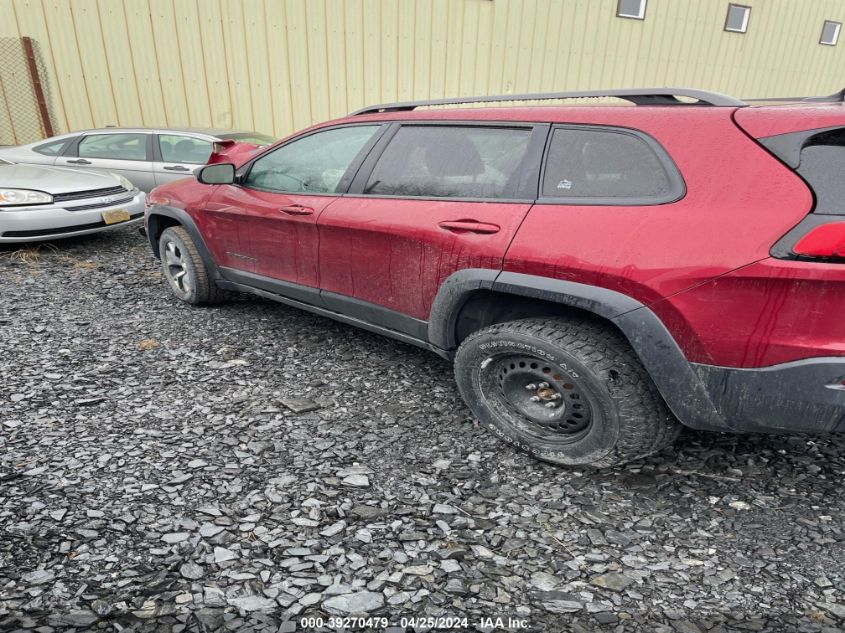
187 222
676 380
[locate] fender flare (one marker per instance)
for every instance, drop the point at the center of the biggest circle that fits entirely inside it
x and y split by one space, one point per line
675 377
184 219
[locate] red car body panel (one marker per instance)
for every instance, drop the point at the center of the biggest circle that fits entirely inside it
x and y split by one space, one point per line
770 312
277 234
395 254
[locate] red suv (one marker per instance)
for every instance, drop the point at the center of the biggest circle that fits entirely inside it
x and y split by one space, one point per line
597 273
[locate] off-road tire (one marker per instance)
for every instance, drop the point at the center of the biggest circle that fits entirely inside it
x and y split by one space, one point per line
628 418
201 289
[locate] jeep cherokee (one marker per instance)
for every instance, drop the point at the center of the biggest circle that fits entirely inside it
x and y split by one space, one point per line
598 273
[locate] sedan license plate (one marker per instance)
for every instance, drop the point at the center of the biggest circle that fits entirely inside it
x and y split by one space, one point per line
115 215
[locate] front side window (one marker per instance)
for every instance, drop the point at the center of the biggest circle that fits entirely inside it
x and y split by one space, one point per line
114 146
184 149
53 148
822 166
312 164
433 161
592 166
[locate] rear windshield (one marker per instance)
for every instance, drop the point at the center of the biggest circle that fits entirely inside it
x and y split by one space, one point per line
823 167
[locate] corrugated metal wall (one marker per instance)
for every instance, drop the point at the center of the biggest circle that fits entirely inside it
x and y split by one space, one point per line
279 65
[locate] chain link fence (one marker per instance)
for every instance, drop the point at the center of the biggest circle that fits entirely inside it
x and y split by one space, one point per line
25 98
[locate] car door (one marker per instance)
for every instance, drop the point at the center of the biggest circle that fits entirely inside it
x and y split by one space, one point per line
275 204
176 156
606 195
124 153
431 199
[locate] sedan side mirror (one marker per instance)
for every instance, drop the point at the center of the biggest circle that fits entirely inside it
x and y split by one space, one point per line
218 174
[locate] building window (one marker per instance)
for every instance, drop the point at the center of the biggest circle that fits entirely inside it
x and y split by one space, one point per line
631 9
737 20
830 33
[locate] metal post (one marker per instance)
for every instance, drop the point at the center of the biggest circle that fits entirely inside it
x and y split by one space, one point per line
36 85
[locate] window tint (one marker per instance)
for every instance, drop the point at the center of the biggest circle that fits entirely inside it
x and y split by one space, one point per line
53 148
598 164
183 149
313 164
114 146
823 167
451 162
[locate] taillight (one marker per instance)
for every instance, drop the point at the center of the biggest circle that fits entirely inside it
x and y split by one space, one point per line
818 237
827 240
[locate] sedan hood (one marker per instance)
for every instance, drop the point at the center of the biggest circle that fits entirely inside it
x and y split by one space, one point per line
53 180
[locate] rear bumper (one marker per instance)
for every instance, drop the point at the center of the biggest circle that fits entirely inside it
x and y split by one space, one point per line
801 396
40 223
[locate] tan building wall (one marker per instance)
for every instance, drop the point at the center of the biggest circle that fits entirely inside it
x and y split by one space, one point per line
278 65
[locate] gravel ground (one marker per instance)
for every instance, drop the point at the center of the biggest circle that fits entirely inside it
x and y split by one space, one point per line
170 468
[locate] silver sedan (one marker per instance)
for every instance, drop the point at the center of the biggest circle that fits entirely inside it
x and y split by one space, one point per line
147 157
40 203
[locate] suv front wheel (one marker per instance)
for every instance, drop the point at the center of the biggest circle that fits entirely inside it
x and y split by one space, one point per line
185 269
567 391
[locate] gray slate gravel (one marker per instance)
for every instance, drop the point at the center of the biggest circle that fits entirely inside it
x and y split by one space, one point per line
178 469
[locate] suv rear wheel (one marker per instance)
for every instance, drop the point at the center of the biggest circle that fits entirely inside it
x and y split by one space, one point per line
185 269
567 391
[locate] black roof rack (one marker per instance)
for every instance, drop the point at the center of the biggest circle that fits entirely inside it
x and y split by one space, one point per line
638 96
836 97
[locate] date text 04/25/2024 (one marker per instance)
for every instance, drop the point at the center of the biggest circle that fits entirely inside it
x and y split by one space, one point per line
376 623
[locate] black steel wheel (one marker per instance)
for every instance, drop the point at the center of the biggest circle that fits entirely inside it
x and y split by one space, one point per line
565 390
542 398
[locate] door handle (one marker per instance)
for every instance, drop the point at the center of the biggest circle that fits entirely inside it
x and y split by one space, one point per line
79 161
469 226
297 209
176 168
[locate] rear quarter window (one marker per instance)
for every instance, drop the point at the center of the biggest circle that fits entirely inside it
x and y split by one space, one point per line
822 166
53 148
608 166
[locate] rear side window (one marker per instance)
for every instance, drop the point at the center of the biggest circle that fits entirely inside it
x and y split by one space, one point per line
606 166
53 148
435 161
114 146
823 167
184 149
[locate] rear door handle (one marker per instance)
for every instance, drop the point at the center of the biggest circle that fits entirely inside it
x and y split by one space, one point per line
79 161
469 226
297 209
176 168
